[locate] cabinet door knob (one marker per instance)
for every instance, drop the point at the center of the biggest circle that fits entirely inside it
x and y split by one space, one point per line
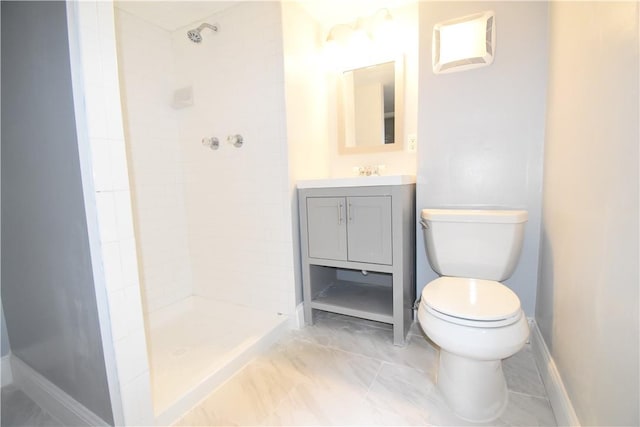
340 213
349 214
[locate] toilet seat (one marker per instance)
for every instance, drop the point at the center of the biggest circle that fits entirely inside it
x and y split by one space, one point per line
472 302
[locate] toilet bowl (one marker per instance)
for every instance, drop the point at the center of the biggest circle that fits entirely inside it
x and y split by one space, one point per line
476 320
472 343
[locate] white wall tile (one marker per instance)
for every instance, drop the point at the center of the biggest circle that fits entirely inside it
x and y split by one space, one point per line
113 112
155 160
90 52
111 258
131 355
96 111
97 41
136 401
118 314
225 186
107 216
87 16
129 263
119 163
124 216
101 163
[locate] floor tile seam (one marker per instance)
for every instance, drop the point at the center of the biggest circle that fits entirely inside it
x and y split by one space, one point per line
379 361
391 413
276 407
393 363
403 365
303 380
373 380
355 353
529 395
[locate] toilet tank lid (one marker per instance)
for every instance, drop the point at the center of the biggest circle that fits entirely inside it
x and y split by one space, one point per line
497 216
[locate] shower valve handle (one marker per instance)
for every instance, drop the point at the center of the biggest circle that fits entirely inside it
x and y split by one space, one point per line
235 140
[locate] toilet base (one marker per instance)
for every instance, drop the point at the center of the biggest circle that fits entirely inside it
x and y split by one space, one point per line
475 389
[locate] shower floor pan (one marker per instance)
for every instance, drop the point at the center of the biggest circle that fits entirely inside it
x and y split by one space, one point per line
198 343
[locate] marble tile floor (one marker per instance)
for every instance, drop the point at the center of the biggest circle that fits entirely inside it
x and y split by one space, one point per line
340 371
346 371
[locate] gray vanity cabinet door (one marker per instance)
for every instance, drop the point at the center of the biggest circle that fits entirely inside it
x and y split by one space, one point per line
327 227
369 228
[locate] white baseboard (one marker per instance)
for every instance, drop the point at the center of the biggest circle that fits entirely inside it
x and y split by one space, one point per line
5 370
558 397
51 398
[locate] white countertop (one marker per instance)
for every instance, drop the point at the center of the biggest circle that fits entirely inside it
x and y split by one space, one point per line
358 181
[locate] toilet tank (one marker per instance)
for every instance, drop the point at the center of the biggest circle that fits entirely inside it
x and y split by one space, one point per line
477 243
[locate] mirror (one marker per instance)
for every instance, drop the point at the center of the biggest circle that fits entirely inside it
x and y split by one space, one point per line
371 109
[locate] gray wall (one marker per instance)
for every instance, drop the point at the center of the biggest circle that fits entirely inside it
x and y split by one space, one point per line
47 285
5 348
588 293
481 132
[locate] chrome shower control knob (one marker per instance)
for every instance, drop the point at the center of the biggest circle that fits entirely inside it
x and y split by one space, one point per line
235 140
213 142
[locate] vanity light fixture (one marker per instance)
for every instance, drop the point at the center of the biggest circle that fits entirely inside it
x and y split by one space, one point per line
382 17
464 43
383 27
338 32
360 28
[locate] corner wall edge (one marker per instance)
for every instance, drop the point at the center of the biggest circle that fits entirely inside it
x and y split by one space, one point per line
556 391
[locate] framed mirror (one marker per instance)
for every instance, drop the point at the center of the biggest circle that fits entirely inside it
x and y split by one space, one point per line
370 110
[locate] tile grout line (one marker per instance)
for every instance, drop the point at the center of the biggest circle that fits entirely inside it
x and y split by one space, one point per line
311 341
528 395
330 347
374 379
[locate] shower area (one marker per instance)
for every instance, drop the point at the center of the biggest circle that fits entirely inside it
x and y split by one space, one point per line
203 102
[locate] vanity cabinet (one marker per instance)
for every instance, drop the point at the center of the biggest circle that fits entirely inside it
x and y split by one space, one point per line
358 252
350 228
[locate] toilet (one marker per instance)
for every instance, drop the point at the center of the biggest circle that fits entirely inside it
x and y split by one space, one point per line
476 320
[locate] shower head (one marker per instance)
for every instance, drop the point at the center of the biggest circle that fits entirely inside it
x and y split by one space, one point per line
195 34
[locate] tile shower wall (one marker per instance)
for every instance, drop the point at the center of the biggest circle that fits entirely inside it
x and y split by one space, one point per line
151 125
99 71
238 201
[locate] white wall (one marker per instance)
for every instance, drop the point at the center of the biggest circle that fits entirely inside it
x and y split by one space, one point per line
306 111
155 167
405 43
482 131
238 201
587 305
